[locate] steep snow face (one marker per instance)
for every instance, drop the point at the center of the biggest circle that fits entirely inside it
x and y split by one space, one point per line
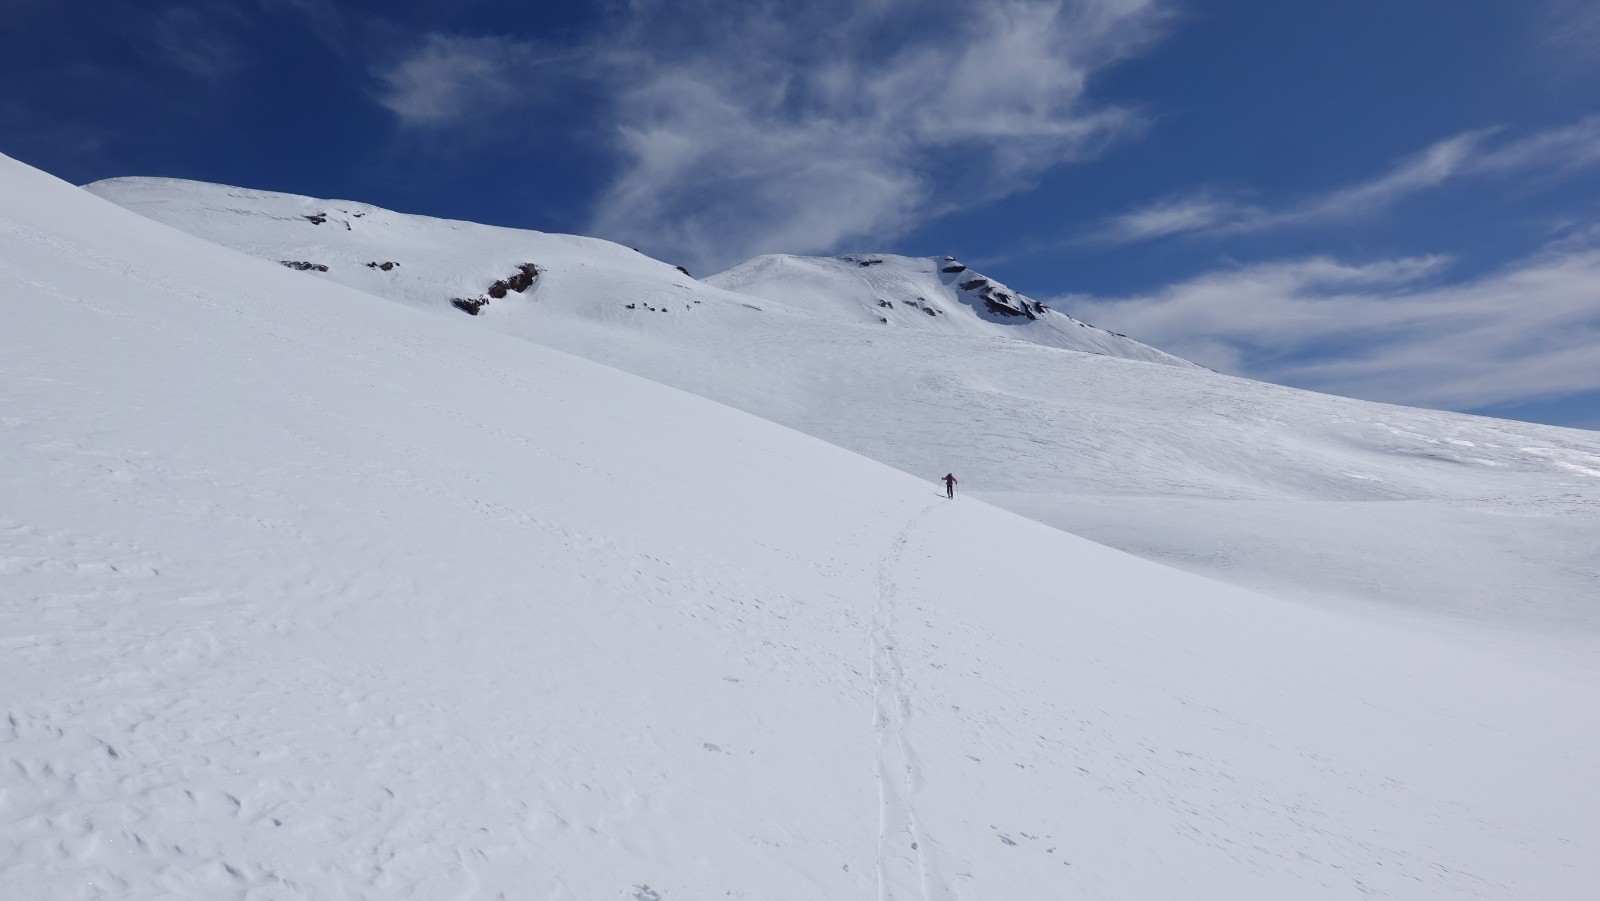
1338 501
305 594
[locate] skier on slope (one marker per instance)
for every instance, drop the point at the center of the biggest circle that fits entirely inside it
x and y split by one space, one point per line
949 481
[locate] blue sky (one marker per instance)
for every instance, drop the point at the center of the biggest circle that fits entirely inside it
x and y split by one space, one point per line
1397 201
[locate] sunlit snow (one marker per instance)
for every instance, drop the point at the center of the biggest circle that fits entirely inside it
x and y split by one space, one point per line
307 593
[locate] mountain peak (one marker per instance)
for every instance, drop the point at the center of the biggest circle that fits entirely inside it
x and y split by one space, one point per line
936 293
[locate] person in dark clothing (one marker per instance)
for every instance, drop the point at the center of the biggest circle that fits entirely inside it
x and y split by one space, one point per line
949 481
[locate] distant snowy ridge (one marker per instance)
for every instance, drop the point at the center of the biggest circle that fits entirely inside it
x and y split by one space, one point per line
939 294
438 263
426 262
930 367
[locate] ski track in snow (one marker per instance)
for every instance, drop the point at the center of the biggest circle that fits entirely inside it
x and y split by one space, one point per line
905 856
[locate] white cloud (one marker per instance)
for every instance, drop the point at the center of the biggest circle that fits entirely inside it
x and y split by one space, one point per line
748 126
199 40
1552 153
1175 216
449 79
802 127
1384 331
1434 166
1567 34
1560 149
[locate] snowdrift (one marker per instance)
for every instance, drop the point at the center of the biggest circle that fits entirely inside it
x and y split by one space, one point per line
309 595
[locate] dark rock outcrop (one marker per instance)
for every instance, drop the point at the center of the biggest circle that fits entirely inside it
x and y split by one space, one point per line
317 218
386 265
1003 304
519 282
523 280
683 270
303 266
995 305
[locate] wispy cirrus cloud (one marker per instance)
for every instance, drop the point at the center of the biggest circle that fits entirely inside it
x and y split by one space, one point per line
1567 34
449 79
1387 330
1558 150
201 40
341 32
1475 153
1174 216
748 126
801 127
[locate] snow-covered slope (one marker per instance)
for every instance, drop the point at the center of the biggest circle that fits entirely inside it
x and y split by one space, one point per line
306 594
1298 493
936 294
432 263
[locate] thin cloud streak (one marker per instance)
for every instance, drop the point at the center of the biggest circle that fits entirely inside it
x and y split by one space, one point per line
1175 216
197 40
1567 149
1558 151
1384 331
1568 34
342 34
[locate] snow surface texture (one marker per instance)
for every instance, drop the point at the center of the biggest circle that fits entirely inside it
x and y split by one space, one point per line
1305 495
307 594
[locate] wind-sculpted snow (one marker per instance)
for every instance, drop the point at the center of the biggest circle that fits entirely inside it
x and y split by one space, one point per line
308 595
1318 497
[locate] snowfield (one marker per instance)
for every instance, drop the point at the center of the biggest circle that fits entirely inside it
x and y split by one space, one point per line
307 594
1457 520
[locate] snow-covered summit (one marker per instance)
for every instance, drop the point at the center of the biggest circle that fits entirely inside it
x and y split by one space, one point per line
935 294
